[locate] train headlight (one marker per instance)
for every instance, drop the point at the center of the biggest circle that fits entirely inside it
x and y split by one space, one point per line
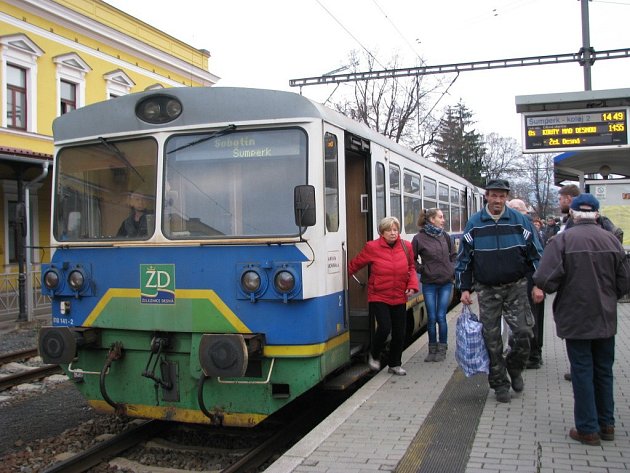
52 279
284 281
159 109
250 281
76 280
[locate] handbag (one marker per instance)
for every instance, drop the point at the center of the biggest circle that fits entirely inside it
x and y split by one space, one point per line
470 350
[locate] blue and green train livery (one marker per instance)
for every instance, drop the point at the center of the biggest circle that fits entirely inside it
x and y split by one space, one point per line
201 237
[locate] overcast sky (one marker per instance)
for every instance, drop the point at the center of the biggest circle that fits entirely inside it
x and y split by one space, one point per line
265 43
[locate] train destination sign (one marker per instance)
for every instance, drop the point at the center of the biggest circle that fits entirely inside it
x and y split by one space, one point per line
604 128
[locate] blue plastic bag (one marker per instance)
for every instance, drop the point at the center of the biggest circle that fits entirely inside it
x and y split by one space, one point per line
470 350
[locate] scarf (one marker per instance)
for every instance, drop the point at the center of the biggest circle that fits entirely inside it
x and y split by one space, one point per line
433 230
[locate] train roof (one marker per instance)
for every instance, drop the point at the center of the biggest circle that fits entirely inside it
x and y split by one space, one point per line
204 105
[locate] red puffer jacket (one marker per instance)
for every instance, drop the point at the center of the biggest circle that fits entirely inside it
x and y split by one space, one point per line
391 271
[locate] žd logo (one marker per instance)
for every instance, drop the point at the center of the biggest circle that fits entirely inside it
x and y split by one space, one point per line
157 283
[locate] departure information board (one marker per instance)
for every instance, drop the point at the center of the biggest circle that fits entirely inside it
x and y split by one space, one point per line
548 132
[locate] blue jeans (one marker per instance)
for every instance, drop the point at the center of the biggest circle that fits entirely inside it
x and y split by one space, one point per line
436 300
592 380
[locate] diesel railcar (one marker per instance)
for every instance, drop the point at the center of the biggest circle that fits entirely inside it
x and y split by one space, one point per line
200 240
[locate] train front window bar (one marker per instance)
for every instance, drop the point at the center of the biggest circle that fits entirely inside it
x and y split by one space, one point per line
236 184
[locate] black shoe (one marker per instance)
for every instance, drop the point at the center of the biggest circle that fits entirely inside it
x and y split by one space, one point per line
567 376
533 365
517 383
503 395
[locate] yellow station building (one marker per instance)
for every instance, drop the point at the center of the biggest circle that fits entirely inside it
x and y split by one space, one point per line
56 56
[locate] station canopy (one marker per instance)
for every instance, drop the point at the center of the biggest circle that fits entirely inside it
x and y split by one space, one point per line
560 122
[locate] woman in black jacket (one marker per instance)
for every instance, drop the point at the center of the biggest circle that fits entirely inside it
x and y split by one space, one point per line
437 268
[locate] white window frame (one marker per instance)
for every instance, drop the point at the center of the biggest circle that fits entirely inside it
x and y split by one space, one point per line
20 51
118 83
71 68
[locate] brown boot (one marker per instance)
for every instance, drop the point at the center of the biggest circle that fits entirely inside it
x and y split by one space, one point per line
441 352
607 432
433 348
587 439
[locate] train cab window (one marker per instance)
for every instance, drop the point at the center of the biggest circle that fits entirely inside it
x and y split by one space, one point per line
412 200
233 184
429 193
395 204
332 182
379 177
106 191
444 206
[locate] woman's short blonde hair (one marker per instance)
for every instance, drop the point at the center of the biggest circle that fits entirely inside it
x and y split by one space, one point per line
387 223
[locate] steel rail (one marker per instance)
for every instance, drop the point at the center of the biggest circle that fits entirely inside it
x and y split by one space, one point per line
18 355
108 448
9 381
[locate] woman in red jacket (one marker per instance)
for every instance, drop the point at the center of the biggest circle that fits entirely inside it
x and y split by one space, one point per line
392 280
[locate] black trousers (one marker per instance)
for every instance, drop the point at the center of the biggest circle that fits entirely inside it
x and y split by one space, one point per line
389 318
538 311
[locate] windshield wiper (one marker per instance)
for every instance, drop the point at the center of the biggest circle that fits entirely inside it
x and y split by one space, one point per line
120 155
224 131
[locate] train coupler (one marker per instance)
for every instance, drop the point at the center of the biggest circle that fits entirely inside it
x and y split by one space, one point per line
167 378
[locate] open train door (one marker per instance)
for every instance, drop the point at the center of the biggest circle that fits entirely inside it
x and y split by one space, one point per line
359 231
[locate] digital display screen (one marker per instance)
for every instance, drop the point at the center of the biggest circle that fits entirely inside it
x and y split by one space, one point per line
575 129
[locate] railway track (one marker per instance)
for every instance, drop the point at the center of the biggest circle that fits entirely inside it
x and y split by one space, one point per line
29 374
225 450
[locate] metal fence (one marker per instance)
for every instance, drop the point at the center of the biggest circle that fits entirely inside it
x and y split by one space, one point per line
10 294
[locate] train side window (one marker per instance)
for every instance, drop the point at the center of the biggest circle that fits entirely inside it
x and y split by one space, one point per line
331 159
395 204
429 193
379 174
412 200
444 206
456 211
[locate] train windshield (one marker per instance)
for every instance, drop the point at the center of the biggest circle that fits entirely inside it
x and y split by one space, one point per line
237 184
106 191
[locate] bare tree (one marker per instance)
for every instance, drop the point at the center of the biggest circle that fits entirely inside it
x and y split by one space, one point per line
537 172
398 108
502 156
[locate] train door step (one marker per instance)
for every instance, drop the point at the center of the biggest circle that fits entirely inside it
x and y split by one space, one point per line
347 378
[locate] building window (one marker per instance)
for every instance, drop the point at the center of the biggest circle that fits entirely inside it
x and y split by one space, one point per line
118 83
71 71
68 96
18 73
16 97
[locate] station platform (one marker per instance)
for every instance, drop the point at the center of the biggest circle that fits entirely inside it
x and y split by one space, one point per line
437 420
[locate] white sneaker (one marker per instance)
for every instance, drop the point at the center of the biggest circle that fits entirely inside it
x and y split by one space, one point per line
397 370
375 365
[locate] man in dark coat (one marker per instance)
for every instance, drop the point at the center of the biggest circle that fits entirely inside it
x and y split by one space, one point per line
588 268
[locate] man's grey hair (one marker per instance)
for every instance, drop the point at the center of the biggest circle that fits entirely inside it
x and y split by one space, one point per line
583 215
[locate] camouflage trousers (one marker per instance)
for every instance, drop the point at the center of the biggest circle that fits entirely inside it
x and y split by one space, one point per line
511 303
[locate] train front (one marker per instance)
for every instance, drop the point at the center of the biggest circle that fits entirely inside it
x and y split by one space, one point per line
179 279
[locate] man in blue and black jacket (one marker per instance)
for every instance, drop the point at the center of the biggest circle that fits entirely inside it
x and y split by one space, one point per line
497 251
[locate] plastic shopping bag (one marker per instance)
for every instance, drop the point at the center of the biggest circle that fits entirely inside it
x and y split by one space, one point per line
470 351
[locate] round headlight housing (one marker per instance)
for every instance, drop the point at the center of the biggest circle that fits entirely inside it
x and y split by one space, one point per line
284 281
76 280
51 279
250 281
159 109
